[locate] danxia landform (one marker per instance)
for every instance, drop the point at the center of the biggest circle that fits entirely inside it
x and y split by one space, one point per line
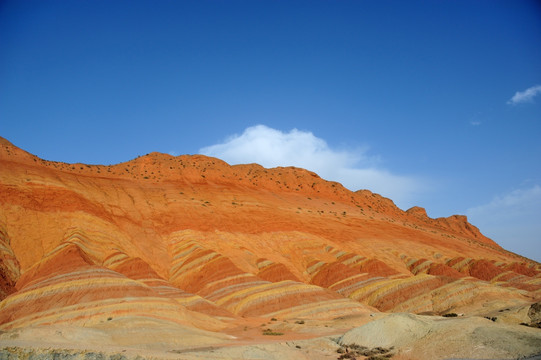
188 252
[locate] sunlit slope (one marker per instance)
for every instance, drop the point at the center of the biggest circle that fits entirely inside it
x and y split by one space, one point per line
208 243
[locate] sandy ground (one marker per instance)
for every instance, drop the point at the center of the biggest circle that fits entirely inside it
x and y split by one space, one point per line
409 336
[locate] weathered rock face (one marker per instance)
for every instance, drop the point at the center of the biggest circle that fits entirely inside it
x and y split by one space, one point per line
534 313
190 240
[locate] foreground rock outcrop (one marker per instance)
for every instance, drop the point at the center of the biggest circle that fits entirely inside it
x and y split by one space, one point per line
201 248
423 337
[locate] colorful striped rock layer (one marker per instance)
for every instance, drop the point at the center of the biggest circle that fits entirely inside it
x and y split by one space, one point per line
190 242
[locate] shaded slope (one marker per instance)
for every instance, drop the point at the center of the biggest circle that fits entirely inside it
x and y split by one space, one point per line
9 266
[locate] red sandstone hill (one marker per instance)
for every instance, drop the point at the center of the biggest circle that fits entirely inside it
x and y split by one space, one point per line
194 241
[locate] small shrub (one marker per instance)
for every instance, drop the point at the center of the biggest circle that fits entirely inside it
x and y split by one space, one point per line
379 357
450 315
272 333
300 322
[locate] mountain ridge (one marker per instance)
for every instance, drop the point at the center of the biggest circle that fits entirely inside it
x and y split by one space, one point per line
199 169
191 244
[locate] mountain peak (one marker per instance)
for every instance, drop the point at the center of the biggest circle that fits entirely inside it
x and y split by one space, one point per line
417 211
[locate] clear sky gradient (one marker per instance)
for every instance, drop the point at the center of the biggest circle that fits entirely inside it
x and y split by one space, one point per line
430 103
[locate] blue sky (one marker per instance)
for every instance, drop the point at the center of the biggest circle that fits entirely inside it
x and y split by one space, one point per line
431 103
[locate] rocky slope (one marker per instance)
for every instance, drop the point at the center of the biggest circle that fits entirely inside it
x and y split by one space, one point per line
194 244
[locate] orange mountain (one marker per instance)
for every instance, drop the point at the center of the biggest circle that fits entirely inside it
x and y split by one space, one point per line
192 241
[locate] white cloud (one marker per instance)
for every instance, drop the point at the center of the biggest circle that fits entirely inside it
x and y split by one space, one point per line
513 220
352 168
525 96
